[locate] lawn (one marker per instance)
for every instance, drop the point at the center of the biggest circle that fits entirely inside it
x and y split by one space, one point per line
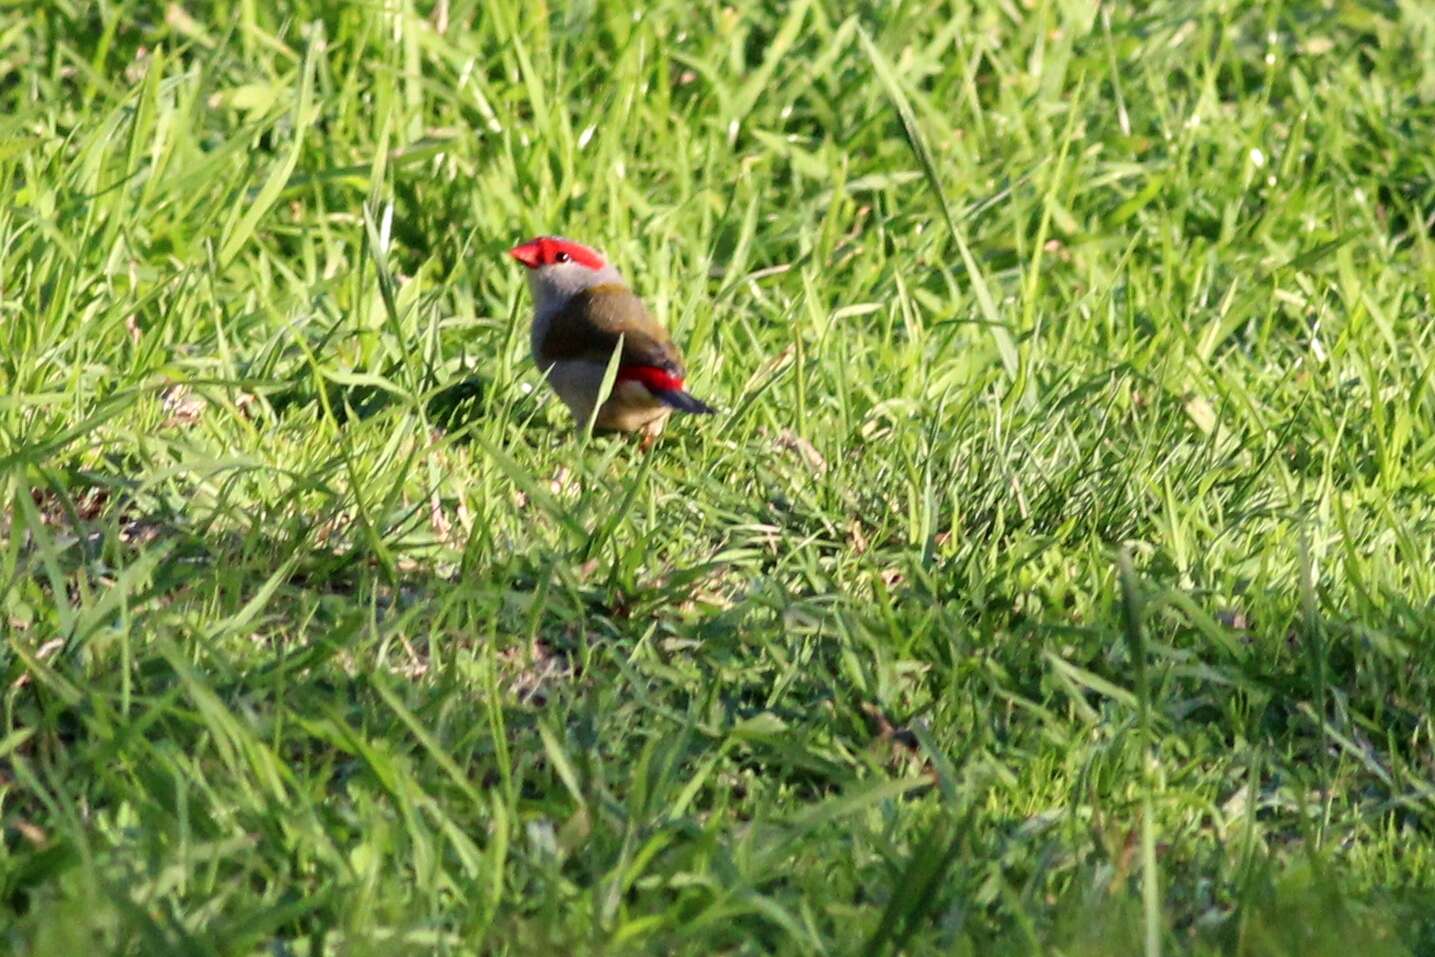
1058 576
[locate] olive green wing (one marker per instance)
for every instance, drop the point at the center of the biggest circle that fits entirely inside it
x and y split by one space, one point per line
590 325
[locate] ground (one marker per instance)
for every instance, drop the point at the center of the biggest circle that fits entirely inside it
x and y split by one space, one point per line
1056 578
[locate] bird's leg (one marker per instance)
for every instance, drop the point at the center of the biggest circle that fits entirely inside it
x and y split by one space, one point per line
651 431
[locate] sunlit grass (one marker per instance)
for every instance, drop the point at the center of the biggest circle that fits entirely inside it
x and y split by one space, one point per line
324 634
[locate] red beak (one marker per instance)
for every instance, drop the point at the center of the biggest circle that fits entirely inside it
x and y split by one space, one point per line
527 253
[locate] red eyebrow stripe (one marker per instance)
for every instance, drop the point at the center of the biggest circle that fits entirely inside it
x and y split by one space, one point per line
655 379
580 254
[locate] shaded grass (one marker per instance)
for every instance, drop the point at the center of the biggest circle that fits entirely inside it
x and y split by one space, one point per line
323 635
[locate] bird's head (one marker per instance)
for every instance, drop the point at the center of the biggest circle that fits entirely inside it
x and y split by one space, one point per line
558 268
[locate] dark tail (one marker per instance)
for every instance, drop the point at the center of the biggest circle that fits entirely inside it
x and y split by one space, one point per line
683 401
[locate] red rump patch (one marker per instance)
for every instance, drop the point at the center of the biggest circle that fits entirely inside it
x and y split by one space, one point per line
655 379
550 250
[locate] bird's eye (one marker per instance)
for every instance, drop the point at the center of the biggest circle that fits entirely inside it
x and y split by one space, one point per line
561 257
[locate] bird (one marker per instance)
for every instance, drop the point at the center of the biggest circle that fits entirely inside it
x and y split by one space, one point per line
582 309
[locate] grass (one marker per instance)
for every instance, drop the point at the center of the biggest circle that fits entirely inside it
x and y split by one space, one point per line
323 634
